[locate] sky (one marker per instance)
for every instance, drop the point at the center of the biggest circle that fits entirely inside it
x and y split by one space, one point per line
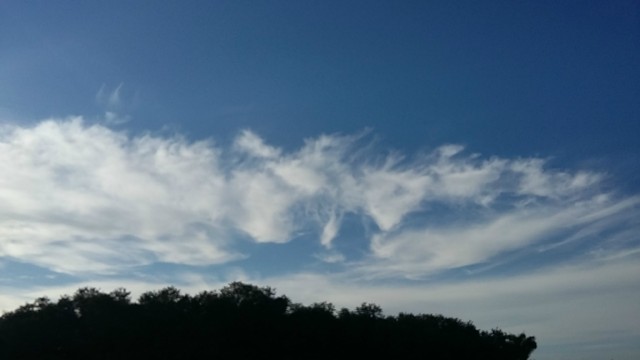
473 159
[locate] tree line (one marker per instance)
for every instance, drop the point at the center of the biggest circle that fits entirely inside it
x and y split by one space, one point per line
239 321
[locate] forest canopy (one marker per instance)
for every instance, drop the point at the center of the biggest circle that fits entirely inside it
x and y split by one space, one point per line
238 321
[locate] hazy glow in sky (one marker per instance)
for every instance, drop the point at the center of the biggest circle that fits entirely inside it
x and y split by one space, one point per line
475 160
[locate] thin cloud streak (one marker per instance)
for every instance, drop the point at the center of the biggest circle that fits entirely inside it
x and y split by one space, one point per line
112 100
423 251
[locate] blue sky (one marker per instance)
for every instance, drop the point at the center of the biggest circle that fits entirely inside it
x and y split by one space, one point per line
476 159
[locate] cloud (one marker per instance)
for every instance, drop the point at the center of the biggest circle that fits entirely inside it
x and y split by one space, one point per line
436 247
112 118
331 257
78 197
252 145
113 104
330 230
84 198
110 99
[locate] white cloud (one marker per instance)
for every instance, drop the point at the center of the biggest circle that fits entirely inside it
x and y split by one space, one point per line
535 180
330 230
436 247
113 104
264 203
73 192
253 145
390 193
112 118
331 257
112 100
102 200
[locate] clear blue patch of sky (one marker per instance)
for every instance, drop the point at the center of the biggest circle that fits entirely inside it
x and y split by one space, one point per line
20 274
353 238
272 259
503 77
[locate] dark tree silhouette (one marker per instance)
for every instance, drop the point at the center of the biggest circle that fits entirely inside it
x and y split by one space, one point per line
240 321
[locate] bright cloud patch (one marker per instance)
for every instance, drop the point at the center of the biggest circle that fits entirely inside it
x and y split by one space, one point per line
432 248
84 198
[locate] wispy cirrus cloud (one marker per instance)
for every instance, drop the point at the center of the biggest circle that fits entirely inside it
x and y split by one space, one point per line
78 197
113 104
110 99
427 249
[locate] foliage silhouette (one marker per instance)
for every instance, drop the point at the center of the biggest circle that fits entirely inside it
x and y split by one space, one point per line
240 321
